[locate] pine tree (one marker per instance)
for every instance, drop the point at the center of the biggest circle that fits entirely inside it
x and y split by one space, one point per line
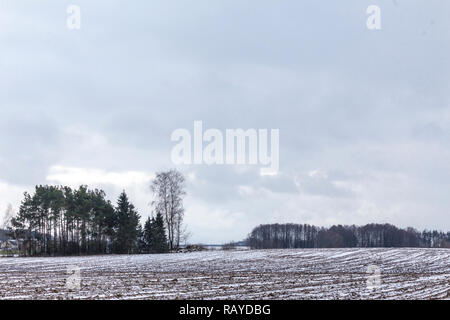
160 243
127 226
148 235
141 246
155 238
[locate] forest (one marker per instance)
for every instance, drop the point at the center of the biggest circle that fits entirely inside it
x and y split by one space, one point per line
59 220
272 236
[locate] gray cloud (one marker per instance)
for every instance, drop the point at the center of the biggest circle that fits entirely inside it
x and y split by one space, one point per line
367 109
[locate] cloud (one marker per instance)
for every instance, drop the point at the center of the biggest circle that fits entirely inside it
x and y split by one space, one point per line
11 194
80 176
364 116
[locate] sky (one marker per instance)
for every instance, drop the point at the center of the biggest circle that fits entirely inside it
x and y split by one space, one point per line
363 115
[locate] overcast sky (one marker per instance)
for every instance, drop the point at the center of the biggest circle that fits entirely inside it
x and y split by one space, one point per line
364 115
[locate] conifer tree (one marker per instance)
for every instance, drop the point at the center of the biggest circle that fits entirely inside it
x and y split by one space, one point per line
127 226
160 243
148 235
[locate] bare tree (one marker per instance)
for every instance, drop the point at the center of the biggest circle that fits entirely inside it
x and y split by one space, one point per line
168 189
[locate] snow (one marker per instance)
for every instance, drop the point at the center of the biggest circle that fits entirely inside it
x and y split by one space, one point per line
406 273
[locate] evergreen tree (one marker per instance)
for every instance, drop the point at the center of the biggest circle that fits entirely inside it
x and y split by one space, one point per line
148 235
60 221
141 241
155 238
160 243
127 226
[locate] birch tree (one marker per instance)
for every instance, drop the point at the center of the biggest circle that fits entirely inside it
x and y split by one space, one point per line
168 189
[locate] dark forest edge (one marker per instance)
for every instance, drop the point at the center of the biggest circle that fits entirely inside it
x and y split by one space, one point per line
285 236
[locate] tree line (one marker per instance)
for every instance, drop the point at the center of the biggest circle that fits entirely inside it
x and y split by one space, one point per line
271 236
59 220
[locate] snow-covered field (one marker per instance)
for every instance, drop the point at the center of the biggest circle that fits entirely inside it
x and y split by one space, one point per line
259 274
